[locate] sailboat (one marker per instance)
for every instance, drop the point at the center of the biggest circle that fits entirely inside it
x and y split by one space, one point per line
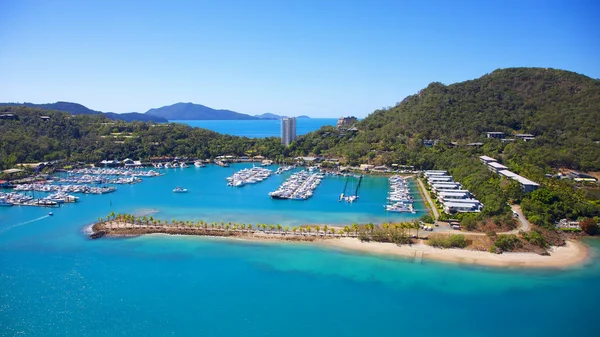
352 198
344 192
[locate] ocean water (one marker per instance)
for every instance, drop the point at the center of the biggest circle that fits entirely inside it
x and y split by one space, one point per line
56 282
258 128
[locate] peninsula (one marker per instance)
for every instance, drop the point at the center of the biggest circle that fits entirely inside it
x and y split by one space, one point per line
390 240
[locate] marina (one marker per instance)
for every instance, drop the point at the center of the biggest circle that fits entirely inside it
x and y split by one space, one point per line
220 202
299 186
248 176
399 198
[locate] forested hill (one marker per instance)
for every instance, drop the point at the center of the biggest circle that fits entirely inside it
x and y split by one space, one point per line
560 108
191 111
78 109
524 100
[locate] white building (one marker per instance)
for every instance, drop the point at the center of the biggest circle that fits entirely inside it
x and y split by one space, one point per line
288 130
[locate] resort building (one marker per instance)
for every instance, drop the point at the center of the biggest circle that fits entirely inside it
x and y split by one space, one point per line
496 167
526 184
450 194
439 179
495 134
446 186
526 137
288 130
453 195
346 122
454 207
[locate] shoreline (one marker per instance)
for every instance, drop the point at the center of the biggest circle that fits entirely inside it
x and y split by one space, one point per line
572 254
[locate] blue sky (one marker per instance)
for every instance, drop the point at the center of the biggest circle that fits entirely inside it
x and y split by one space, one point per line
319 58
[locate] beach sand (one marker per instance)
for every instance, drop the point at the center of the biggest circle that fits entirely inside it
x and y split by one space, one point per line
572 254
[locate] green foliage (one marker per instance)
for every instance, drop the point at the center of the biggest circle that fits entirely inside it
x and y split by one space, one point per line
426 218
93 138
507 242
469 223
447 241
535 238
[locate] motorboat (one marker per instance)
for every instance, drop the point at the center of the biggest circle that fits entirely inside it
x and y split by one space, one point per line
179 189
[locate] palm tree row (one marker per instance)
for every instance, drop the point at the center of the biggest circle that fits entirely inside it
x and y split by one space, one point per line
130 221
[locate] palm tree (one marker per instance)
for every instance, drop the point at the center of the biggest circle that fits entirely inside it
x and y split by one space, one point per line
279 228
325 229
294 229
250 227
286 229
111 215
386 226
318 230
340 231
355 229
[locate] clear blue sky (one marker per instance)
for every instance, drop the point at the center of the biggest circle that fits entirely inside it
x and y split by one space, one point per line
319 58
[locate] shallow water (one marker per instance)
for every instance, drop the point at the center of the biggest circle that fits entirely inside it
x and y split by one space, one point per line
54 281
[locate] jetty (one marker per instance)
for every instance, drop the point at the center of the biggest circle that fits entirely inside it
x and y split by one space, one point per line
248 176
399 198
299 186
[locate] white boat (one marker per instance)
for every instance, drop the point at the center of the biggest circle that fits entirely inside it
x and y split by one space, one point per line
4 202
180 190
198 163
168 165
183 165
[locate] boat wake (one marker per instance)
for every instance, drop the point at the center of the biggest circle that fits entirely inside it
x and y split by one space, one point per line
23 223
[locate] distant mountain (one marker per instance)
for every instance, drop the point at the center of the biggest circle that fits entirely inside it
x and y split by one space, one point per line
268 115
78 109
191 111
274 116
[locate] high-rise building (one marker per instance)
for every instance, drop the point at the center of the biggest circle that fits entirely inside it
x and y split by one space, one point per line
288 130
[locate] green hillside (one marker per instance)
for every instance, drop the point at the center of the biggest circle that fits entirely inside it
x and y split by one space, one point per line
560 108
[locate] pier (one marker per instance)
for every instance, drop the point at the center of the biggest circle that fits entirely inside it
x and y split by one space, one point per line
299 186
248 176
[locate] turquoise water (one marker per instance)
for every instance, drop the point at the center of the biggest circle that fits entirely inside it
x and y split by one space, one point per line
259 128
56 282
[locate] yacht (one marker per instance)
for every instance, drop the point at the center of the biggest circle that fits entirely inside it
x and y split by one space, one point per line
4 202
198 163
179 189
183 165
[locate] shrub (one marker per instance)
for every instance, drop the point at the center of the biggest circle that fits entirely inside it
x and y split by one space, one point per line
447 241
536 238
426 218
507 242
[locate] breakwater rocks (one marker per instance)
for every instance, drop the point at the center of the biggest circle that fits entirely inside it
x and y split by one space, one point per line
98 234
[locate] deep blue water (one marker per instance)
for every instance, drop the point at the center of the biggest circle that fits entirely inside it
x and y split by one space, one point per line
259 128
56 282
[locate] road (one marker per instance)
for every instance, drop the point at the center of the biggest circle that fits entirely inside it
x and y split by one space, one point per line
525 226
424 192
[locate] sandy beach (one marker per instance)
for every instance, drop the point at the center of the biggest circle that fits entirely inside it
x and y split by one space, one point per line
572 254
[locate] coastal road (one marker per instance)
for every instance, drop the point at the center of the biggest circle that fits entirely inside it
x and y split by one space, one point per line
525 226
436 215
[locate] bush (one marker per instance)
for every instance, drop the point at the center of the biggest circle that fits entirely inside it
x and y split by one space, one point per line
447 241
426 218
536 238
589 226
507 242
469 223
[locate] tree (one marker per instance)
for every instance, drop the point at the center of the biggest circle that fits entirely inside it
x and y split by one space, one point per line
589 226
